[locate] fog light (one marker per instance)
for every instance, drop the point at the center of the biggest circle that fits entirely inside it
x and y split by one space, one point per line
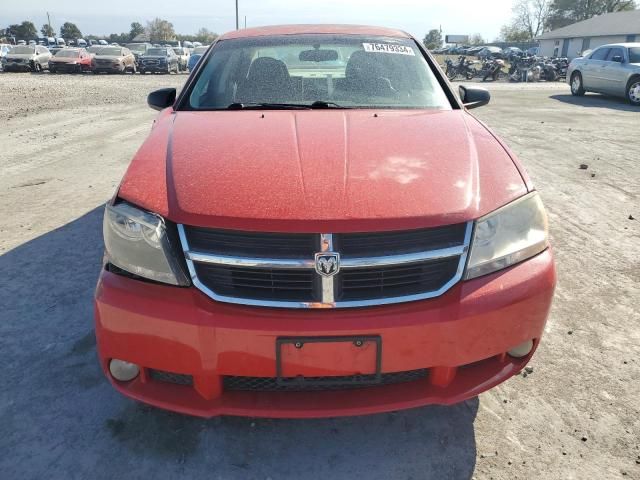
123 371
521 350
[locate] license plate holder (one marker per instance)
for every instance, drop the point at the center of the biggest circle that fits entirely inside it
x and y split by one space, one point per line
372 377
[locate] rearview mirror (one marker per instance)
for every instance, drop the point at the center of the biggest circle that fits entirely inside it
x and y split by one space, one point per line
617 58
318 55
161 99
474 97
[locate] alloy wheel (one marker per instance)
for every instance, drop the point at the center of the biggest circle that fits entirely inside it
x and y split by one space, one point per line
634 92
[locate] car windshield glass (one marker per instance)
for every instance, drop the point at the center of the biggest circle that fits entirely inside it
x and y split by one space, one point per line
634 55
105 51
68 53
22 50
350 71
157 51
140 47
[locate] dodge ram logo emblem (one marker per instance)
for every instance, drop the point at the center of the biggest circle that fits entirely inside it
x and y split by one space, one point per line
327 263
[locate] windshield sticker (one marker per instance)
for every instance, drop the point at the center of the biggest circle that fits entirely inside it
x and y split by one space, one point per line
388 48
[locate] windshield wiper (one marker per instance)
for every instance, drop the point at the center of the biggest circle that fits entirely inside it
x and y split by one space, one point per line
268 106
283 106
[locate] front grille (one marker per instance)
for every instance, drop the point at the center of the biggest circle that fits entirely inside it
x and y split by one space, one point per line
169 377
226 242
390 243
395 281
258 283
270 384
279 269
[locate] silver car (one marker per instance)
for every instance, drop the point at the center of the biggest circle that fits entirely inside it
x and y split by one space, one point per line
29 58
611 69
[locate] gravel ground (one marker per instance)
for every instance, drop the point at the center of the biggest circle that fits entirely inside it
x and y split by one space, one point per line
66 141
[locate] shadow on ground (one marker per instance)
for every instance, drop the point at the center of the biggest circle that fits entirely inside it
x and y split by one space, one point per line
595 100
61 419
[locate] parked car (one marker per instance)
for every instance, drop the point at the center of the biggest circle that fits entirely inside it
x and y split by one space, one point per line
81 42
138 49
70 60
183 55
612 69
4 50
30 58
113 60
431 276
159 60
490 52
194 58
103 42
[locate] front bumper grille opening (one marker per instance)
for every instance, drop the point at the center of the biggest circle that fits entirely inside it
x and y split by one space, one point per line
350 382
169 377
396 281
258 283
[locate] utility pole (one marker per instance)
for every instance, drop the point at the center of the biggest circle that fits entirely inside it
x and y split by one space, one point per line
245 22
237 18
49 22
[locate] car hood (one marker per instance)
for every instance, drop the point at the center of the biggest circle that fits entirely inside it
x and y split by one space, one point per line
20 55
108 57
153 57
64 59
321 170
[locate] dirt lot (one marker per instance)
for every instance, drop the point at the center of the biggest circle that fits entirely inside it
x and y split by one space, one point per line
66 141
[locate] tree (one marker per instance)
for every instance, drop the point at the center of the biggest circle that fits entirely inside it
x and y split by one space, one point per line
476 39
136 29
205 35
513 34
23 31
160 30
433 39
531 16
70 30
565 12
47 31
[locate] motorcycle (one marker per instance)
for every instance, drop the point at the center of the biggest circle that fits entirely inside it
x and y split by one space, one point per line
492 69
464 68
524 69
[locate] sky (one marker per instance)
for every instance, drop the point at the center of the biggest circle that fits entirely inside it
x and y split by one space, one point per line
459 17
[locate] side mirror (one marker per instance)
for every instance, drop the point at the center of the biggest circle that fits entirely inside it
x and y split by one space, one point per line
617 58
161 99
474 97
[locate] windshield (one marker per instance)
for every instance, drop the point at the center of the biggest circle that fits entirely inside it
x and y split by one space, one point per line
178 51
200 50
136 47
68 53
106 51
23 50
634 55
157 51
342 70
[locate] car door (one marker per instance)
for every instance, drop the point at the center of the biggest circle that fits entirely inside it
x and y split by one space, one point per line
614 72
592 70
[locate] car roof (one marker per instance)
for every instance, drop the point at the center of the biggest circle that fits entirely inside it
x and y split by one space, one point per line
624 45
317 29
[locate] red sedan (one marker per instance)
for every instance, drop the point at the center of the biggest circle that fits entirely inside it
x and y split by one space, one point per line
70 60
317 226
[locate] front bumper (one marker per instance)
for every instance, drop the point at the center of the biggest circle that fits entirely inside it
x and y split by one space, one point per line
154 68
17 67
461 338
108 68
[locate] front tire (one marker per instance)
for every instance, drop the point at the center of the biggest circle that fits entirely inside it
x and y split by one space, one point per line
633 91
577 87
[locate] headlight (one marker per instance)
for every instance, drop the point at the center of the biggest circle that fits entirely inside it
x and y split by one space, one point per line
507 236
138 242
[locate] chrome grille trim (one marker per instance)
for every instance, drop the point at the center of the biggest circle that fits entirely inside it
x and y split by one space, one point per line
326 243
